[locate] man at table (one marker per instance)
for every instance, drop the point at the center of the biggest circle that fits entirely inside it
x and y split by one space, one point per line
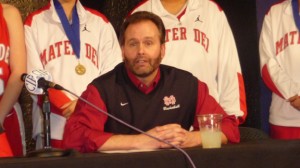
158 99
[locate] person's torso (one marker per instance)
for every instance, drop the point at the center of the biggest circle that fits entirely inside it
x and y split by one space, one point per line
286 39
56 52
286 46
173 100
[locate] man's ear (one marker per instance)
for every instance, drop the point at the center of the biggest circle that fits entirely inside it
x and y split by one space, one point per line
163 50
122 51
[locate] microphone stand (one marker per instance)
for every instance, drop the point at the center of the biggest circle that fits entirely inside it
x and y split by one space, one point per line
46 112
47 150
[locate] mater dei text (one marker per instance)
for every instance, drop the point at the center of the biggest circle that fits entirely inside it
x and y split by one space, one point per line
64 48
290 38
179 33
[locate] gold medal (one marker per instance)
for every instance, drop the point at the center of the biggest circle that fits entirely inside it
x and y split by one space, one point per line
80 69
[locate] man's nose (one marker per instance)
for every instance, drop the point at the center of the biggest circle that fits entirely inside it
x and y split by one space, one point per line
141 49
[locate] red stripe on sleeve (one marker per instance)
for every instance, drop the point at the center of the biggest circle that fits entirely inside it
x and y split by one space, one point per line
243 103
268 81
57 99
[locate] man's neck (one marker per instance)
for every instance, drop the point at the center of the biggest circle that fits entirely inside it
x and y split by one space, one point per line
173 6
149 79
68 6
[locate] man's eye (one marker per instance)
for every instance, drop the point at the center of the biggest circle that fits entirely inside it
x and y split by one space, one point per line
148 43
132 44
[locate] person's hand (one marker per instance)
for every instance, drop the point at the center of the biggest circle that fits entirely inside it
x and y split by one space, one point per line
69 108
173 134
145 142
176 135
295 102
191 139
169 132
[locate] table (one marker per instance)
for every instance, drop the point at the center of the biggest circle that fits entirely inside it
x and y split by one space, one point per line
255 154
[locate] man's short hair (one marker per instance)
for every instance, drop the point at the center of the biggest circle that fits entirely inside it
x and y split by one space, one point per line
139 17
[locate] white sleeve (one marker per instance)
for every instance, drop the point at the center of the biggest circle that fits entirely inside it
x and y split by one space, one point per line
109 48
231 89
33 58
272 73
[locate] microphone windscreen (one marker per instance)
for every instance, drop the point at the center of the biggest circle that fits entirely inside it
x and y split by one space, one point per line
31 81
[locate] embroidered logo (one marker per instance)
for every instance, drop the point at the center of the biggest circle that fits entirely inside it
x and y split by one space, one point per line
123 104
198 19
85 29
170 103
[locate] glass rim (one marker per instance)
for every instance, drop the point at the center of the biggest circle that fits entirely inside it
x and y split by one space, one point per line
210 115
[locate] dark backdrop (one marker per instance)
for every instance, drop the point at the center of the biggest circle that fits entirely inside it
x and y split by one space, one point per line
265 98
114 10
241 15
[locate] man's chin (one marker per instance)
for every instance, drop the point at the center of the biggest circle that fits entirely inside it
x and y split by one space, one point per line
142 74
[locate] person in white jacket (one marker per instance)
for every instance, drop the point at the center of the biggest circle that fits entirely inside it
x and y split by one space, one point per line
75 44
199 40
279 48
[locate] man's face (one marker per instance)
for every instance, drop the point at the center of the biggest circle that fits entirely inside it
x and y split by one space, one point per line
142 51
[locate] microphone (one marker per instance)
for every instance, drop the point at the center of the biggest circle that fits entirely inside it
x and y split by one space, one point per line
39 80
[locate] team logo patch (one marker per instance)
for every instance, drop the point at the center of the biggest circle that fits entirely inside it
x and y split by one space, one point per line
170 103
